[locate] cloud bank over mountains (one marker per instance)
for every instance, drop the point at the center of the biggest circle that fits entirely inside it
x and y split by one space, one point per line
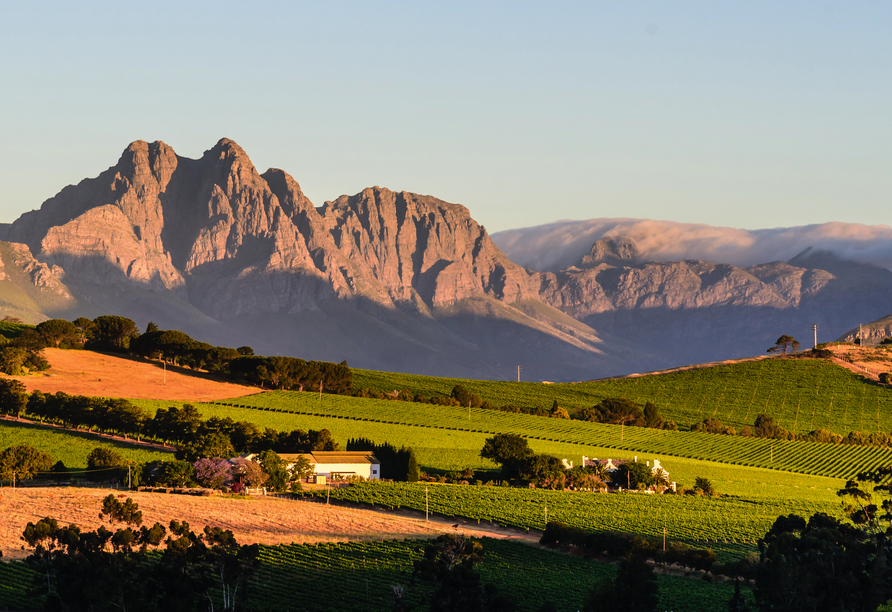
558 245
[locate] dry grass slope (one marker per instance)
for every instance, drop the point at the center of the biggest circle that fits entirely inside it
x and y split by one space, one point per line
97 374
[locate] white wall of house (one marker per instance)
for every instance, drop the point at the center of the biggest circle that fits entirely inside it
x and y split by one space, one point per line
370 471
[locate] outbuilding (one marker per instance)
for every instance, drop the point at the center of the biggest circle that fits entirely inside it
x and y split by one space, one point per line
341 464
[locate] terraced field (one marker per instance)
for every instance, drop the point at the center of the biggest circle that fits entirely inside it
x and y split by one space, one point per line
837 461
802 394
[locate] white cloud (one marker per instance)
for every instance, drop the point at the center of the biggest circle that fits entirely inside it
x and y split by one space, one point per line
558 245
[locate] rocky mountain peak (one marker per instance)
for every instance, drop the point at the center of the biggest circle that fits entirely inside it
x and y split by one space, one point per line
619 251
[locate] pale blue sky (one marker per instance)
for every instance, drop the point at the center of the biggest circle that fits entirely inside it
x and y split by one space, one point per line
746 114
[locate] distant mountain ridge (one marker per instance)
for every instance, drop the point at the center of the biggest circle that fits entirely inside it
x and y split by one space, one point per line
407 282
389 279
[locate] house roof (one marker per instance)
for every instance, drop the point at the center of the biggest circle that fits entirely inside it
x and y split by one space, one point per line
331 457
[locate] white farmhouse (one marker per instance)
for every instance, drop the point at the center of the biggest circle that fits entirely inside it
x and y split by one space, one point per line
341 463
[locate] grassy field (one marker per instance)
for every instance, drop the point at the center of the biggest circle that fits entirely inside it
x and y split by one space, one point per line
838 461
802 394
71 448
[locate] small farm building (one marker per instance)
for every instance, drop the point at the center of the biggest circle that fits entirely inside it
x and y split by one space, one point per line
342 463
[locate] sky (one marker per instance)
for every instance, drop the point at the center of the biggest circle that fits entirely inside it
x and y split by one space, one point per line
749 115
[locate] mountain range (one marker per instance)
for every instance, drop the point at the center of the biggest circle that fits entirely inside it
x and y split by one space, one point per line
401 281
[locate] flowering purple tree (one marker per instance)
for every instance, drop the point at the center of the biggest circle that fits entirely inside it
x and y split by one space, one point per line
213 473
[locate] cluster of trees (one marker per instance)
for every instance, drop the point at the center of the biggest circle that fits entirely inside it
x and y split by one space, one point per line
135 567
617 544
182 426
518 462
612 410
448 569
397 464
766 427
119 334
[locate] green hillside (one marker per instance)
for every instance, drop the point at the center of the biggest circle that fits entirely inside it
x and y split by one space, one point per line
801 394
839 461
71 448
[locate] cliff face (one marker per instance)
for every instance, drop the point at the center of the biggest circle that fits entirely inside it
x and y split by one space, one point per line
421 250
212 237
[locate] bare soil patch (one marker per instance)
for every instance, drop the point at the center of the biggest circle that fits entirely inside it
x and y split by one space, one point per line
259 519
870 361
101 375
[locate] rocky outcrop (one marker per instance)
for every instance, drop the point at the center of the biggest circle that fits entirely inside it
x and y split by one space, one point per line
238 241
214 240
670 285
421 250
612 251
29 289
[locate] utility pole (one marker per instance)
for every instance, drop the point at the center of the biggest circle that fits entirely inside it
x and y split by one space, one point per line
815 328
328 490
518 373
546 516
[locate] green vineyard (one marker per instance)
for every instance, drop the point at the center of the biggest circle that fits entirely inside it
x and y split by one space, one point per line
685 518
839 461
801 394
359 576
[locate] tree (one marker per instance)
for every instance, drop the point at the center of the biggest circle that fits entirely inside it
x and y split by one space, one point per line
210 445
301 468
13 397
704 486
248 473
465 397
23 462
783 344
113 332
169 474
765 427
615 410
503 448
634 589
449 565
652 416
547 470
57 331
633 475
213 473
821 564
886 377
276 471
115 511
12 360
102 463
85 330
